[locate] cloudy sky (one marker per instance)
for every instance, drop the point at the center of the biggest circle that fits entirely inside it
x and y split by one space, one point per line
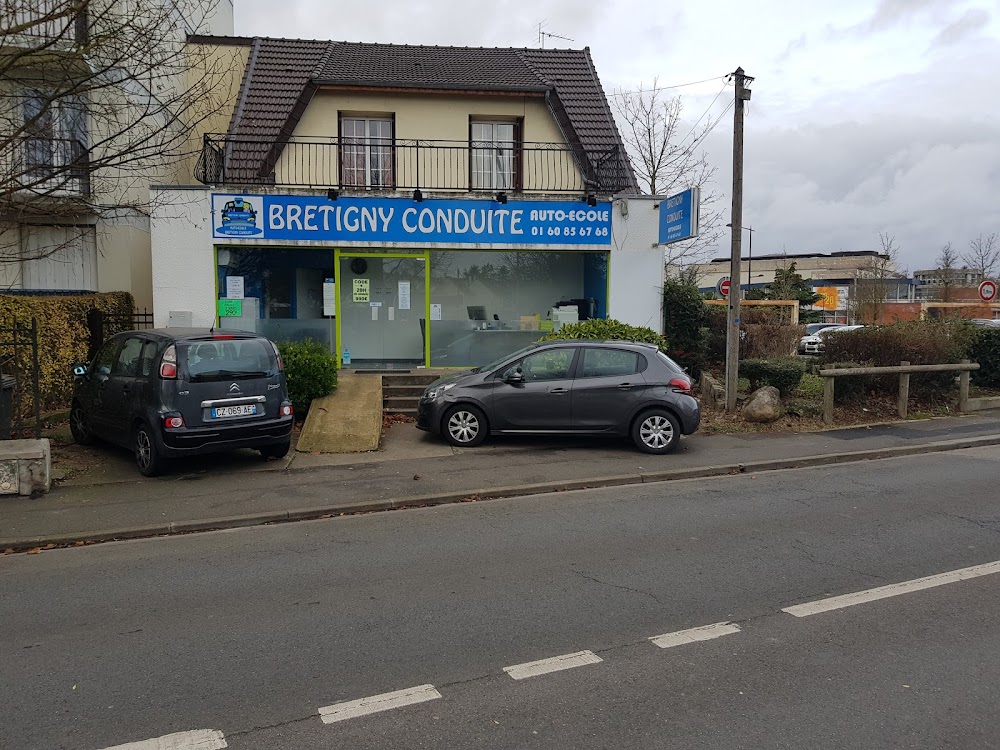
867 115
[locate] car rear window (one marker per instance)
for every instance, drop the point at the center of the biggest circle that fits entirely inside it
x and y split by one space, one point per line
228 360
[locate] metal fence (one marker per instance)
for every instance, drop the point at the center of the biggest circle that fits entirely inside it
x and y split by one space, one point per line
20 399
102 325
397 164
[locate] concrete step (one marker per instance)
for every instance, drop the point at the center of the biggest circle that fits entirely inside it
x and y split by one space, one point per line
410 379
400 410
409 391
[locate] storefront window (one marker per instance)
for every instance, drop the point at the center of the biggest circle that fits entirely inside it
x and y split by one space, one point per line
282 292
485 305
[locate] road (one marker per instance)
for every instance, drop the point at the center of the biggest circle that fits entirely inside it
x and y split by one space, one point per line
240 638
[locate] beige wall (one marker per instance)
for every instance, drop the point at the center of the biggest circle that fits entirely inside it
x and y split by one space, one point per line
429 117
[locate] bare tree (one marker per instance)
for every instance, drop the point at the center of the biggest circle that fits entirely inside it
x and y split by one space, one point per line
983 255
947 262
872 280
667 158
99 99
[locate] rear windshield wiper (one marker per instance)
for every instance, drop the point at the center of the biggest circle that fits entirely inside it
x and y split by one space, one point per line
228 375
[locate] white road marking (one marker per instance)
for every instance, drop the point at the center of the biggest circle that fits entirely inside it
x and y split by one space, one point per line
693 635
376 703
554 664
893 589
198 739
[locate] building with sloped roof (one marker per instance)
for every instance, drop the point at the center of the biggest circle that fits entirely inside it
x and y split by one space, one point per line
408 205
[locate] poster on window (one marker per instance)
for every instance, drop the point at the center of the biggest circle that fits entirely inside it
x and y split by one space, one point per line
329 298
404 295
361 289
234 287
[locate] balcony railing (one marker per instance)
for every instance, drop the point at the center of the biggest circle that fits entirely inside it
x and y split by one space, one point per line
57 167
394 165
33 22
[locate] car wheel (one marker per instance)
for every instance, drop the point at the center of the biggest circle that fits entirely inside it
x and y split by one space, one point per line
464 426
278 450
78 425
147 456
656 431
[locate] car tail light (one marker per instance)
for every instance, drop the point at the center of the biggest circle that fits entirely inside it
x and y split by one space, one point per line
168 365
222 337
681 384
173 422
277 354
287 410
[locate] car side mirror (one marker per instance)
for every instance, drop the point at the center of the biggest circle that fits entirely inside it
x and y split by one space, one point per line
80 371
515 377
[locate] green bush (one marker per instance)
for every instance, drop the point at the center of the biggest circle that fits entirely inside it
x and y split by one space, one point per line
850 389
607 330
63 339
985 349
310 370
784 373
916 342
684 320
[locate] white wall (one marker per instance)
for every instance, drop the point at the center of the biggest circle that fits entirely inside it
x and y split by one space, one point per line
183 256
636 263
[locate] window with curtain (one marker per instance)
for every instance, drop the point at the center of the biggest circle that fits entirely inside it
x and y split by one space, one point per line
366 152
493 155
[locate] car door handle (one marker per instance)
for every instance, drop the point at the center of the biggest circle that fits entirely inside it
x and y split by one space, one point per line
559 390
125 388
625 387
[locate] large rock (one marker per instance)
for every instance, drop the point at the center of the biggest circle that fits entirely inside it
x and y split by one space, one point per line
764 405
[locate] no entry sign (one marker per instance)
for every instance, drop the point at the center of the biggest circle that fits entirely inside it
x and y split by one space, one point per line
723 286
988 291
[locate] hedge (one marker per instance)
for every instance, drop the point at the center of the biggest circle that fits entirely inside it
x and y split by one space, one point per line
310 371
684 324
783 373
63 339
985 349
607 330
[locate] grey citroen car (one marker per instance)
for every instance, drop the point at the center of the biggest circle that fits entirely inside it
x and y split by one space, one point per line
174 392
567 387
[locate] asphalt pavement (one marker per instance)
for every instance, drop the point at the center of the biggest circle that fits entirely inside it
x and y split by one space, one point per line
248 636
219 492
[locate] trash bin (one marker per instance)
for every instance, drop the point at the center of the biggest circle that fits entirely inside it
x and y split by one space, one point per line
8 383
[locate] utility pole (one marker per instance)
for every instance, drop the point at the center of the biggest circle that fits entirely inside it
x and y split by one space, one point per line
733 321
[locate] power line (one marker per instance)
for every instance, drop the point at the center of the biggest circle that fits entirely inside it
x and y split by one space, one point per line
707 110
675 86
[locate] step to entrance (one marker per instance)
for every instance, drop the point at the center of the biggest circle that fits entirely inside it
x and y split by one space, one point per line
401 391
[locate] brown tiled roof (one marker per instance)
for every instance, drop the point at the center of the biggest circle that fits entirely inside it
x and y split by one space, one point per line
282 75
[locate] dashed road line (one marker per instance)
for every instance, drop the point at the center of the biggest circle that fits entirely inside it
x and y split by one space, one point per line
893 589
693 635
376 703
553 664
198 739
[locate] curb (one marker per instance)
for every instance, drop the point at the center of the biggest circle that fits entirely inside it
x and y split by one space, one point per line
495 493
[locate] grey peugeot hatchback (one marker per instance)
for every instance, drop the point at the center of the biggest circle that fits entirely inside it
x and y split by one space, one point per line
172 392
567 387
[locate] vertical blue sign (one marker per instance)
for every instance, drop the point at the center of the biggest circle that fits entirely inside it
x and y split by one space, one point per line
679 216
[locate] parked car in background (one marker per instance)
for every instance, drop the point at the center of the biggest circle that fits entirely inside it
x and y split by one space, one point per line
567 388
812 329
986 322
813 345
179 392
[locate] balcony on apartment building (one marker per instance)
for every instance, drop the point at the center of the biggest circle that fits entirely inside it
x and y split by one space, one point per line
49 25
57 168
387 165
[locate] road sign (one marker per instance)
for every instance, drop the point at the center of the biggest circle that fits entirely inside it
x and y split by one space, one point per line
723 286
988 291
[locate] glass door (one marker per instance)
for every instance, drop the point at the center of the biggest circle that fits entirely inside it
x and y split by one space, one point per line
382 304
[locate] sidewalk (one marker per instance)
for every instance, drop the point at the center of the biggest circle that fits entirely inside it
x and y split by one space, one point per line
415 469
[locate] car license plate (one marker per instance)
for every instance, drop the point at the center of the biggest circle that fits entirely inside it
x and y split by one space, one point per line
244 410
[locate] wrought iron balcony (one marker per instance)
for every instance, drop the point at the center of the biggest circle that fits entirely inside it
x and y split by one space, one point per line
386 165
50 24
54 167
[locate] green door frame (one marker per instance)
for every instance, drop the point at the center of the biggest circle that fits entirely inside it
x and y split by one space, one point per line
339 253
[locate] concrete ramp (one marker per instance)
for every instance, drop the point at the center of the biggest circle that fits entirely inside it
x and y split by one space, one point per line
347 421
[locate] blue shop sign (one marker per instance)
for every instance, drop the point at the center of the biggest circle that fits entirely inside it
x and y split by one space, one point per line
679 216
401 220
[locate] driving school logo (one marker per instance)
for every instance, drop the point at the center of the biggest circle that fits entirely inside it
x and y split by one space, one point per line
238 218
